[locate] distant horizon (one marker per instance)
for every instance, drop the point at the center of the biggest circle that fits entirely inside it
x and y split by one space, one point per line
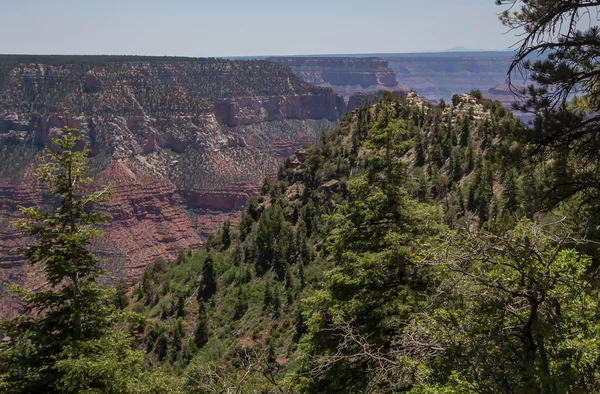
449 52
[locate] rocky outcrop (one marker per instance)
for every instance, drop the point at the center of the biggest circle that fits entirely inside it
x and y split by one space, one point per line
346 76
367 99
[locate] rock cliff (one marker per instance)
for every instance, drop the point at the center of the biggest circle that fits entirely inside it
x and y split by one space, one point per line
345 75
438 76
184 143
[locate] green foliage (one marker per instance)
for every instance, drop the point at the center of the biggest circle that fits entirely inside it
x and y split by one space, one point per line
564 94
110 364
74 308
208 283
201 333
518 315
373 237
341 277
120 299
67 340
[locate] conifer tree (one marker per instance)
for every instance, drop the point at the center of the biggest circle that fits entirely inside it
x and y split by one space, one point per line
512 195
208 282
121 300
371 247
563 39
73 308
226 236
201 332
465 133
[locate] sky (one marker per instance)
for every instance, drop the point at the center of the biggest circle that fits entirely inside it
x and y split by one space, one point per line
219 28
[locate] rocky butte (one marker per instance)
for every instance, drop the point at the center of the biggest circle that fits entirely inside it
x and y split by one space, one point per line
345 75
184 143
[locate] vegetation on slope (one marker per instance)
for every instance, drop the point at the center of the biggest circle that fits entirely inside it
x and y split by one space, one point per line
350 250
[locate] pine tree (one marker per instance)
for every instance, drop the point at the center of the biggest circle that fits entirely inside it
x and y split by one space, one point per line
301 274
74 308
563 93
267 296
512 195
423 188
420 150
237 253
121 300
465 134
201 333
177 338
456 164
226 235
208 282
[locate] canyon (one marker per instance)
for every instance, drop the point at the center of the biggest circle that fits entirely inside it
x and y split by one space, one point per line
434 76
345 75
437 76
183 143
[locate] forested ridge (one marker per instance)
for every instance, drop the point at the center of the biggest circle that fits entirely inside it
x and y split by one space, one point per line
416 248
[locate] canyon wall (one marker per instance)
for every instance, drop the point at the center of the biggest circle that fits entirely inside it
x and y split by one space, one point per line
438 76
345 75
434 76
183 142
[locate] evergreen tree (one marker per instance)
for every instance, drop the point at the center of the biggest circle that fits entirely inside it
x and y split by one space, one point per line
420 150
201 333
512 195
465 133
208 281
423 188
246 224
237 253
226 235
176 339
456 164
241 303
74 308
564 43
267 296
121 301
371 248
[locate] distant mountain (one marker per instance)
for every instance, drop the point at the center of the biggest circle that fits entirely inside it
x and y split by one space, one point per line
464 49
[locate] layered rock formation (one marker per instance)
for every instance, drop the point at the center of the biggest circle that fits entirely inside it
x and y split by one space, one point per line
346 76
503 93
438 76
184 143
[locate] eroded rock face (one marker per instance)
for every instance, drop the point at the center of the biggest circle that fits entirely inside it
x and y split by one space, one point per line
184 144
438 76
249 110
504 93
346 76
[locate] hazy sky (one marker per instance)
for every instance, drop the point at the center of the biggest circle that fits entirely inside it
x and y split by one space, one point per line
248 27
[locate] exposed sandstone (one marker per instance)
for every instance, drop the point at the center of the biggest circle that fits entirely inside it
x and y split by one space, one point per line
184 144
